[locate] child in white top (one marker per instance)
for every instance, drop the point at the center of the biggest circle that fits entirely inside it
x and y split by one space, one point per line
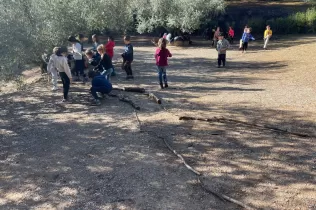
52 69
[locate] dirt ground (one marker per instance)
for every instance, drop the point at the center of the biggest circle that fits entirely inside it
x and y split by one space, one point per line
76 156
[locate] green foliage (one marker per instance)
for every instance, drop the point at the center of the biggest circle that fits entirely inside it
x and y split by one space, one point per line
301 22
257 24
30 27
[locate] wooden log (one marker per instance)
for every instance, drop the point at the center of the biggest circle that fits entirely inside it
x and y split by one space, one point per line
127 100
153 97
134 89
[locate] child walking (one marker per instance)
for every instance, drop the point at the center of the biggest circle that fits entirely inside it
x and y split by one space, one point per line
245 39
266 37
52 68
128 57
62 67
99 85
109 48
78 57
222 46
105 66
161 55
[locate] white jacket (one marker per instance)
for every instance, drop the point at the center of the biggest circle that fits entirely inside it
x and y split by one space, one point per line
51 63
77 52
61 65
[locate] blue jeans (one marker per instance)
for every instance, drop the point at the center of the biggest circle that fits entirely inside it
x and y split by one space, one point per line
162 74
107 73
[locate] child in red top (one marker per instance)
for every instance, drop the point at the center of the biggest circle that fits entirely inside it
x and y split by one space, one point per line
231 34
109 48
161 55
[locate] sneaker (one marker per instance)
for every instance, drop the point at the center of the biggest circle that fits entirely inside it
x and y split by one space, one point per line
166 85
64 101
96 102
54 88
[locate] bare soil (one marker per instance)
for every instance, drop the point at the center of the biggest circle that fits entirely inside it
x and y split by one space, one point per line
75 156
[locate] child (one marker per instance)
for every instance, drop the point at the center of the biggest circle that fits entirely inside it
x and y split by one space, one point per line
78 57
128 57
52 69
61 64
105 66
231 34
109 48
161 55
245 39
266 37
216 34
95 43
222 46
99 85
93 58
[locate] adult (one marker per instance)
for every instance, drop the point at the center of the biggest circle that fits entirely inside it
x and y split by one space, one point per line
266 36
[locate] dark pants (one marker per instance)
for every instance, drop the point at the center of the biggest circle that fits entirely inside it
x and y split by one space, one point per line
103 90
231 40
221 58
127 66
79 68
244 46
66 83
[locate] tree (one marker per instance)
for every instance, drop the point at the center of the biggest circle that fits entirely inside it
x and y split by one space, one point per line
30 27
186 15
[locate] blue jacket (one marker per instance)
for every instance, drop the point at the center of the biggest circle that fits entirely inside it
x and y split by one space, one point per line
246 37
100 81
128 54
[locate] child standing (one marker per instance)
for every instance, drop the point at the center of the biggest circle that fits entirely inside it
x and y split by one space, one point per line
105 66
231 34
99 85
216 34
161 55
109 48
245 39
266 37
95 42
222 46
52 68
128 57
78 57
62 67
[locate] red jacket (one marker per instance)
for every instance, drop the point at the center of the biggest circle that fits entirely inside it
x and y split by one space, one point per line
162 57
231 33
109 48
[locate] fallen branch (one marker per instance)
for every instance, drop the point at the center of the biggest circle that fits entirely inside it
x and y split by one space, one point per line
224 120
130 89
127 100
222 196
153 97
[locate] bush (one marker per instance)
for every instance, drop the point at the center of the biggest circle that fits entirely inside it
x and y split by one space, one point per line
300 22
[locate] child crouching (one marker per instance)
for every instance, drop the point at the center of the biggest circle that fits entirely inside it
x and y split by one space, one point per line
99 85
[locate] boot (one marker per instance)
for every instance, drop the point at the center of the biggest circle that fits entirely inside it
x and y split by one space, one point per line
161 85
166 85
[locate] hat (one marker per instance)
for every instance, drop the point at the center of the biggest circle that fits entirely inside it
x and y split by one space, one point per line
72 39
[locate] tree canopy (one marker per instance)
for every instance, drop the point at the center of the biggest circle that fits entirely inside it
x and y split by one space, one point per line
28 27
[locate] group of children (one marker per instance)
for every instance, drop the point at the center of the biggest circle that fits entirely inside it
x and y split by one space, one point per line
222 44
100 60
99 64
